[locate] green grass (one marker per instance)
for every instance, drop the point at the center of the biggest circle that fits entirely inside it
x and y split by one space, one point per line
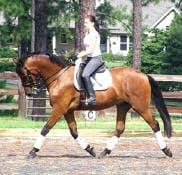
132 124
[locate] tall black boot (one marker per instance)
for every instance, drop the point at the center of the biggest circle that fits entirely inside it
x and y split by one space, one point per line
90 91
79 75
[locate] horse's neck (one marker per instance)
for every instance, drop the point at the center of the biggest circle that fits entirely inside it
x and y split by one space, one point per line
48 68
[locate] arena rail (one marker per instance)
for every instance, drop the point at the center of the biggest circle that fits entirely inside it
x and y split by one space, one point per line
22 106
16 91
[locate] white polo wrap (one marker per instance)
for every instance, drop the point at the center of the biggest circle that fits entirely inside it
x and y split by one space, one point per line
112 142
83 144
39 142
160 140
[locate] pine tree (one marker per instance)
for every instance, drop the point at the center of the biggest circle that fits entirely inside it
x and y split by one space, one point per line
173 59
85 8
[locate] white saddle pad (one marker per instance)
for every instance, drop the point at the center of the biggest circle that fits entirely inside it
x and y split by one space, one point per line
100 81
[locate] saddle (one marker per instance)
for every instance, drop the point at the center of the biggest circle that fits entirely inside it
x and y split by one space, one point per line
101 79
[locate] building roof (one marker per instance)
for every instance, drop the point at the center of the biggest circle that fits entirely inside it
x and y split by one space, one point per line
154 12
151 14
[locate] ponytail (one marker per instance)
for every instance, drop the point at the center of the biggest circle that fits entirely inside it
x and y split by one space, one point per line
97 26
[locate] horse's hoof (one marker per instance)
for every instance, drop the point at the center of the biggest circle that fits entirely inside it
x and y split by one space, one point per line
167 152
91 150
104 153
32 153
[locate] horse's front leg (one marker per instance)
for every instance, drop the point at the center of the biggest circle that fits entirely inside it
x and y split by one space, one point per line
54 117
69 117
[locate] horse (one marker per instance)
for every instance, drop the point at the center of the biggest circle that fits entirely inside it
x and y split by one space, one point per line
130 89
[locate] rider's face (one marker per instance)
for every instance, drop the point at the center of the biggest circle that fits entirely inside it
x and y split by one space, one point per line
88 24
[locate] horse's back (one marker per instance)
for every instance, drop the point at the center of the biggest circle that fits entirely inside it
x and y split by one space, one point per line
126 73
130 81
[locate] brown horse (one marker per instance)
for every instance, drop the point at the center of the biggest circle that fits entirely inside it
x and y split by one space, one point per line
130 89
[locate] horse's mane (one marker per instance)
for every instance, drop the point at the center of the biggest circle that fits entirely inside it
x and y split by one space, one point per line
61 61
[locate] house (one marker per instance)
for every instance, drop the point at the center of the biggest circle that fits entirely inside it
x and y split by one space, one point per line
154 16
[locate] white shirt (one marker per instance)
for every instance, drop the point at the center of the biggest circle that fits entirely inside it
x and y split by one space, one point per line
87 40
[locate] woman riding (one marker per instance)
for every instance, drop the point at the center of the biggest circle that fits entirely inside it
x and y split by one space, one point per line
90 56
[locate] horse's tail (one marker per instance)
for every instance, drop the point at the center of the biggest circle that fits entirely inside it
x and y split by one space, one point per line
160 105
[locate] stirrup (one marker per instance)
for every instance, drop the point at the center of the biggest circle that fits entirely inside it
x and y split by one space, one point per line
89 101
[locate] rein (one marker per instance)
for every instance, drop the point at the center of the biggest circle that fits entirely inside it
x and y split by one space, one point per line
38 84
59 73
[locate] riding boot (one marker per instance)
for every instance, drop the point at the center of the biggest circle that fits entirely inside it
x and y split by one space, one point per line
79 75
90 91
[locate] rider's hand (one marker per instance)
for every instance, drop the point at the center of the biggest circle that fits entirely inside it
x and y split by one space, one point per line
74 57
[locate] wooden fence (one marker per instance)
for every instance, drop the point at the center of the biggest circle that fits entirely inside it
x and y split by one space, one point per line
174 96
17 91
22 100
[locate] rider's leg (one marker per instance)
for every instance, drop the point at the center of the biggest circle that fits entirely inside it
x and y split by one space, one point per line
91 66
90 91
79 74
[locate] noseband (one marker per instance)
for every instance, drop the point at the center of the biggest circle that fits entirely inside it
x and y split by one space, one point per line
36 84
39 83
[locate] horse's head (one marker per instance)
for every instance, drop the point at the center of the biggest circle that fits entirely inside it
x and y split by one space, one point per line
30 78
38 69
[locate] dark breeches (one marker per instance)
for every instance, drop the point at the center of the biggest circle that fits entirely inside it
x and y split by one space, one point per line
91 65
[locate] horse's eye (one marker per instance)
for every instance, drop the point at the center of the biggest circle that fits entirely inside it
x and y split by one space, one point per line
24 77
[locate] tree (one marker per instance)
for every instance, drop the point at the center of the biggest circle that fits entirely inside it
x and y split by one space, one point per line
173 59
137 30
153 51
178 3
137 23
39 26
162 54
17 25
86 8
39 44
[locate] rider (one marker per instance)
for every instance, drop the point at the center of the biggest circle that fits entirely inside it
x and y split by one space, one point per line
90 56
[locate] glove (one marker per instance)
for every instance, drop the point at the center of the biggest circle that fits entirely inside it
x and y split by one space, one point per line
73 57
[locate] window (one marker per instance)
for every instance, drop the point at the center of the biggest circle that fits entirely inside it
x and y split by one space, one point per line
63 38
123 42
103 38
130 42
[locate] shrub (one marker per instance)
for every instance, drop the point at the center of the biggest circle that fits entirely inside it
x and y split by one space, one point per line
112 57
6 52
6 65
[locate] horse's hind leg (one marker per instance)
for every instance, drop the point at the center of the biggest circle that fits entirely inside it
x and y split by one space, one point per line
122 110
69 117
147 115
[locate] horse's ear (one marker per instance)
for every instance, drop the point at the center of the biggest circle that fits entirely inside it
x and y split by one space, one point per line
15 60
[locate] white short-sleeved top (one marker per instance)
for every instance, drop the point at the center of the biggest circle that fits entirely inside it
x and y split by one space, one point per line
87 40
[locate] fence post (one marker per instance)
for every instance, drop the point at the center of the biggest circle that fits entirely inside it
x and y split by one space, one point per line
21 101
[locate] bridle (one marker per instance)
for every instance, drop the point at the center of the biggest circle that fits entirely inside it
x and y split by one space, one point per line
36 84
39 83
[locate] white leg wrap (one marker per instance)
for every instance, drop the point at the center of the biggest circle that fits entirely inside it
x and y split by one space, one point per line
160 140
81 142
112 142
40 140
